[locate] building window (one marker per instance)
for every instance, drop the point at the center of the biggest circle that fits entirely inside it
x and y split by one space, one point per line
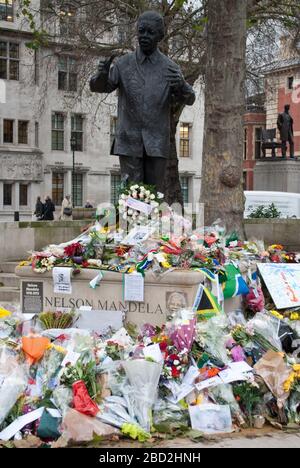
9 60
184 182
258 136
113 129
8 131
6 10
67 74
57 187
36 134
77 131
7 194
23 195
115 185
290 82
245 143
58 134
77 189
67 20
22 132
185 135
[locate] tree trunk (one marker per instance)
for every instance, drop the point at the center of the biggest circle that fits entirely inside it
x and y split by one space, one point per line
173 192
222 185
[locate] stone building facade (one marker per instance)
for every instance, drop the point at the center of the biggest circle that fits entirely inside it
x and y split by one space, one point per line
41 109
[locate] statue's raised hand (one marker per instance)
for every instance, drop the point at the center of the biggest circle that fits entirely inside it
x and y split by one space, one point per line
104 64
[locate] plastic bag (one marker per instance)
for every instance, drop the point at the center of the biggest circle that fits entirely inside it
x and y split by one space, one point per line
143 377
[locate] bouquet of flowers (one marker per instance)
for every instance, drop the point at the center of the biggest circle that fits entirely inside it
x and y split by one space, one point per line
58 319
149 201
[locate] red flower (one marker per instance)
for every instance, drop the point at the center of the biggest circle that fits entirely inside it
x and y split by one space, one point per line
85 264
175 372
174 357
72 250
163 345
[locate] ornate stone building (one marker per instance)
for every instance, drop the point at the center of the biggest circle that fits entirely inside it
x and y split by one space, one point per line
44 101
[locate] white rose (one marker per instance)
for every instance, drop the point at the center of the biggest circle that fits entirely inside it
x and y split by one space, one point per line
152 196
160 195
148 193
123 196
146 200
132 188
136 186
156 210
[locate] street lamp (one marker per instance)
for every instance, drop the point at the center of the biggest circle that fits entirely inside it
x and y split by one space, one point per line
73 148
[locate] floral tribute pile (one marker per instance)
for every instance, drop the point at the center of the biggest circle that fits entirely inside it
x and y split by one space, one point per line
204 370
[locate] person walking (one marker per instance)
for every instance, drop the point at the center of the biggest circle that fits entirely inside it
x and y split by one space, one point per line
88 204
66 209
48 210
38 212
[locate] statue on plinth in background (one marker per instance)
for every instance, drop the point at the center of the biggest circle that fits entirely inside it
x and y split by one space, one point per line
285 124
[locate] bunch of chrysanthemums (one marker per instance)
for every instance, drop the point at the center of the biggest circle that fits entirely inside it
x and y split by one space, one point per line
138 204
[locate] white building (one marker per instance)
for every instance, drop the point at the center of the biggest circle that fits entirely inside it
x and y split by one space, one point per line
40 109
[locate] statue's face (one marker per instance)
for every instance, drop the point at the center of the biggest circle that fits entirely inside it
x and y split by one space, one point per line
148 35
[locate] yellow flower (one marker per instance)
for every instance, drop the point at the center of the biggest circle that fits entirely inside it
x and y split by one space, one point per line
289 382
24 263
57 348
276 314
294 316
4 313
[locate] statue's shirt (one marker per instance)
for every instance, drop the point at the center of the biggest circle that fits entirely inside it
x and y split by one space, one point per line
144 105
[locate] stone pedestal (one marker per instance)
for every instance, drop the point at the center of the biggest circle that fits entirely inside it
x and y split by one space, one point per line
277 175
171 291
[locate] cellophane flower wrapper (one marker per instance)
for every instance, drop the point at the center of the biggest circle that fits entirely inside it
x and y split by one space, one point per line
114 411
211 335
143 377
223 395
12 387
183 335
165 412
62 397
268 327
294 406
48 369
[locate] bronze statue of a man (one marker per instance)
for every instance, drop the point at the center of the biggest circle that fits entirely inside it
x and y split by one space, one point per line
285 124
148 82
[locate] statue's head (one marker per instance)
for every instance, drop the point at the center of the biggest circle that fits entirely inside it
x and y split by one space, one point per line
287 108
151 31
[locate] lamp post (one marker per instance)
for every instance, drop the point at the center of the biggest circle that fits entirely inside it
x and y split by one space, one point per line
73 148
